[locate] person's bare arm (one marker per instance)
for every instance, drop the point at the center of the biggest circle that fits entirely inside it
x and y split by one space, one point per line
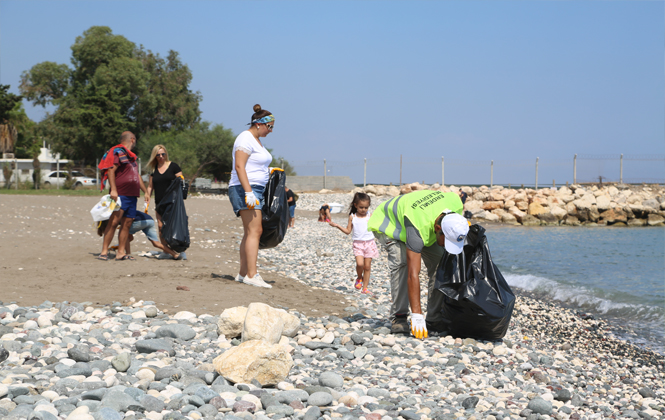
241 162
113 190
348 228
149 193
413 269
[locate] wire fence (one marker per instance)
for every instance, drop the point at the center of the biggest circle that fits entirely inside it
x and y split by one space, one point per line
630 169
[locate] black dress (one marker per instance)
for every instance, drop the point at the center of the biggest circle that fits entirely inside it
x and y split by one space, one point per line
160 182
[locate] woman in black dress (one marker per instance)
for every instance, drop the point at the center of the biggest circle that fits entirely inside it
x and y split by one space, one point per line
162 173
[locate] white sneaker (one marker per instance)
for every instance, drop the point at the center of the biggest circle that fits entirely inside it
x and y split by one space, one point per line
256 281
239 278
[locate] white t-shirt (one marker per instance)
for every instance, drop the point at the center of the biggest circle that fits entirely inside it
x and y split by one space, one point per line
360 232
258 164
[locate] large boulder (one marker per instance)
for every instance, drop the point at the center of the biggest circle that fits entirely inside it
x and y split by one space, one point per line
492 205
571 221
291 323
262 322
558 211
267 363
652 203
612 216
655 220
522 205
392 190
529 220
480 196
231 321
371 189
473 205
496 196
548 218
603 202
517 213
536 208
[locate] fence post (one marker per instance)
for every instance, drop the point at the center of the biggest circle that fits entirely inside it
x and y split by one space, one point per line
442 177
325 171
365 174
57 173
575 169
491 174
537 174
400 171
621 169
97 171
281 163
16 171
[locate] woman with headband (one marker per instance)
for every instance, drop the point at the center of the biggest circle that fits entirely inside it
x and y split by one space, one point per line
251 170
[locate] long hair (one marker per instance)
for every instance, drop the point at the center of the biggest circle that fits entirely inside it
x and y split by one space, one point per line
358 197
102 227
152 163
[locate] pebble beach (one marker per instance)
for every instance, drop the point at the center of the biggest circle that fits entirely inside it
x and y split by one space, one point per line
132 360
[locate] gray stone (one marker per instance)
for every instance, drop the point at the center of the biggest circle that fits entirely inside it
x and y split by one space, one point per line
320 399
79 354
317 388
41 415
312 413
331 380
179 331
562 395
168 372
21 412
207 410
121 362
107 413
96 395
219 402
470 402
151 312
577 401
409 415
268 400
647 393
152 403
154 345
316 345
540 406
206 394
284 410
285 397
120 401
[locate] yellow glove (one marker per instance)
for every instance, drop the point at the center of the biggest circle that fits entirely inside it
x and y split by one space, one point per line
418 326
275 169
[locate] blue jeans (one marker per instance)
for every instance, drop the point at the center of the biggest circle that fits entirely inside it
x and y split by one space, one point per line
147 226
237 198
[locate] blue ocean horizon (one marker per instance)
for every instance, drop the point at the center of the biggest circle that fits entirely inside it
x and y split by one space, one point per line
615 273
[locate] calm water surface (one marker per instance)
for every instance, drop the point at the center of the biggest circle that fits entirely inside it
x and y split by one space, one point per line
617 274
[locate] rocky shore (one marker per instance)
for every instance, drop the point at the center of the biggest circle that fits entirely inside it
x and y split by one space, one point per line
131 360
608 205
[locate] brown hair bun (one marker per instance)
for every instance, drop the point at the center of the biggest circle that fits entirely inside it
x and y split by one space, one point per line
257 108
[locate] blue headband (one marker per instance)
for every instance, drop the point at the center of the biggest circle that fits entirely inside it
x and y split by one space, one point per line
264 120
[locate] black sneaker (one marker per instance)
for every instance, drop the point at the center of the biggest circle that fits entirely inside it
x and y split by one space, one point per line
400 325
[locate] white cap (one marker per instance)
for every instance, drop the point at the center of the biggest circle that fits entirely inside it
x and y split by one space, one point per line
454 228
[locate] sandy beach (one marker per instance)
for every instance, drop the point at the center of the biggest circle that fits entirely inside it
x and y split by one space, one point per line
48 250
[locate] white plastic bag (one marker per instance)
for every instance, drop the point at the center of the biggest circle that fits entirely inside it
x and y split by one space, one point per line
103 209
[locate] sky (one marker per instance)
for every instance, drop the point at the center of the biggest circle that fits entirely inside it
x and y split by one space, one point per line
470 81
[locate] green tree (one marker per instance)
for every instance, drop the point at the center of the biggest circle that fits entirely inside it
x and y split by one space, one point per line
113 86
8 102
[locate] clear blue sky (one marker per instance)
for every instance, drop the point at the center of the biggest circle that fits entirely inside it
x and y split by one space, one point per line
469 80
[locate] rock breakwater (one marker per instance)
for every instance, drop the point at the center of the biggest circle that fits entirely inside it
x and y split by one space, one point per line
608 205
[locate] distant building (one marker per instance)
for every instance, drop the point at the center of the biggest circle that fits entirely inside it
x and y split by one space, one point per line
47 162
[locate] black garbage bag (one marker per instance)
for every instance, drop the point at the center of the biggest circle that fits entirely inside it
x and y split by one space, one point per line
275 211
478 303
174 217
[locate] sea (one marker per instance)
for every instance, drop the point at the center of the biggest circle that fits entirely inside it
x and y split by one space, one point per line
615 274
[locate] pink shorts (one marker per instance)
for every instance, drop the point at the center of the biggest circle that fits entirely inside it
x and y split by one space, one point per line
366 249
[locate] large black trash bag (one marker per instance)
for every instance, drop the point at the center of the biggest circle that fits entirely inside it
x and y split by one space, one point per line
174 217
478 303
275 211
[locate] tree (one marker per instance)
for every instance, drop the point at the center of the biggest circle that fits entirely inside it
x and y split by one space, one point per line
280 162
113 86
8 132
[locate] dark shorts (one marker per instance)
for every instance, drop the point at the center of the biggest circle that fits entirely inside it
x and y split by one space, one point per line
292 211
325 207
128 206
237 198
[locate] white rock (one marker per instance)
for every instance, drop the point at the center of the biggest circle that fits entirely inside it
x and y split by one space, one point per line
138 314
184 315
231 321
262 322
49 395
30 325
80 413
328 337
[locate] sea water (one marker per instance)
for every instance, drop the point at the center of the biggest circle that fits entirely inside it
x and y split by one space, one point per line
617 274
